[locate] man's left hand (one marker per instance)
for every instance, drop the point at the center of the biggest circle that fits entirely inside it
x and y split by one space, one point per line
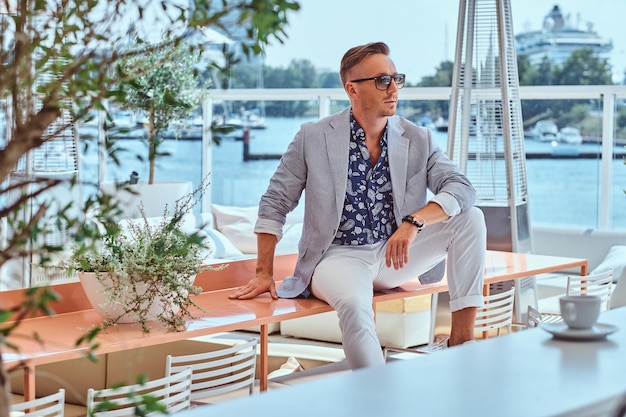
397 253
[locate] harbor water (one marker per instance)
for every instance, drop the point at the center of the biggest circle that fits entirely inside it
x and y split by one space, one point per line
561 191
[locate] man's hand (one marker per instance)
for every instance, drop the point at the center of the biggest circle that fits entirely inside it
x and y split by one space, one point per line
256 286
397 253
263 280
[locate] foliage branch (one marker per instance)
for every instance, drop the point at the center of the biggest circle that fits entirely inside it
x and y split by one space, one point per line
58 57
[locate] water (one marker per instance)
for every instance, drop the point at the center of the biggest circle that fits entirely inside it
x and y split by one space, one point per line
561 191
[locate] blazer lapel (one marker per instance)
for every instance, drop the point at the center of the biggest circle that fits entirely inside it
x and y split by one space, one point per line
337 147
337 143
398 147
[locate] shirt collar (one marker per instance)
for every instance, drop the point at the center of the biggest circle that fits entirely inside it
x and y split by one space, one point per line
358 133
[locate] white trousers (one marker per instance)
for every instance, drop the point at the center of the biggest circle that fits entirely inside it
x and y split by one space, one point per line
347 277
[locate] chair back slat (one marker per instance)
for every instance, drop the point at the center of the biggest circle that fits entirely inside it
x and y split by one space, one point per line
218 372
52 405
497 312
172 391
600 285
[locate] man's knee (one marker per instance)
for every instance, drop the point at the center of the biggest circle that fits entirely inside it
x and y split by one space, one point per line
474 222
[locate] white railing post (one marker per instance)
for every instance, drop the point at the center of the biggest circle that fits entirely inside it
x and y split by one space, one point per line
207 150
324 106
606 177
102 152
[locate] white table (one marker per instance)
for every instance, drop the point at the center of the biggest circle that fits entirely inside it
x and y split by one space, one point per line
525 374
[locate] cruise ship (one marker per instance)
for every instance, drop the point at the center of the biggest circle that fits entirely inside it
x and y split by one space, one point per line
558 38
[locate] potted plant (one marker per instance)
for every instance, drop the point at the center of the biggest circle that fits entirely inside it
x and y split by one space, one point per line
163 84
160 81
143 270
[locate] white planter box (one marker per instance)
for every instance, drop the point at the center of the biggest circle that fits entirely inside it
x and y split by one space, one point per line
154 196
97 295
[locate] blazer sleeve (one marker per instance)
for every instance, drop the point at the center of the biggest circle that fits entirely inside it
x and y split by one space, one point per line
445 176
284 190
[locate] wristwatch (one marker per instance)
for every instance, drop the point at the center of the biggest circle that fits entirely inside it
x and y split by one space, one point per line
414 222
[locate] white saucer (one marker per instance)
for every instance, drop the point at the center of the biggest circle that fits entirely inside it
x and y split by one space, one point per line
560 331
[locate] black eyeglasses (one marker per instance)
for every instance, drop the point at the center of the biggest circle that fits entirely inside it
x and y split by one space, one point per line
382 82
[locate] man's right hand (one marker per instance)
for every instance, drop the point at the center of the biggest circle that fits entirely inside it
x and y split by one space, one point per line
263 281
256 286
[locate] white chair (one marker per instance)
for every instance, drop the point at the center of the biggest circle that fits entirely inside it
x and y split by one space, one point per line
171 392
618 297
218 372
600 284
48 406
495 315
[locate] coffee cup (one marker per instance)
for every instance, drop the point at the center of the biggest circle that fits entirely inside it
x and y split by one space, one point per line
580 311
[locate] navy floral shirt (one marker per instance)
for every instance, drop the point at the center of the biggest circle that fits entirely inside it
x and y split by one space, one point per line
367 215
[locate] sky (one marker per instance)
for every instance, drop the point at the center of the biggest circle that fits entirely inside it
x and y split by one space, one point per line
422 33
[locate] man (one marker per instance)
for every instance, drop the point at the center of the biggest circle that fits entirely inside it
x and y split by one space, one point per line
367 222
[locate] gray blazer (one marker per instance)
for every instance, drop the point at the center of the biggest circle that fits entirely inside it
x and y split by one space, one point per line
316 162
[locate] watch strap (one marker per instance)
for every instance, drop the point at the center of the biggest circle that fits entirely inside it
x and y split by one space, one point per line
412 220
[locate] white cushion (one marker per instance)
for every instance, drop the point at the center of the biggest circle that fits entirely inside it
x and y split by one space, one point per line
616 259
242 236
237 224
289 242
219 245
225 215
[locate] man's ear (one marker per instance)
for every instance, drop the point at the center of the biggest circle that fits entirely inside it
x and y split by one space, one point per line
349 87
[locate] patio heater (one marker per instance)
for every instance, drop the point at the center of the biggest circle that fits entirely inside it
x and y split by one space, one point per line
485 132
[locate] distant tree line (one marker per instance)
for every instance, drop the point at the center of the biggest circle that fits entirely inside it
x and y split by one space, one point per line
581 68
299 74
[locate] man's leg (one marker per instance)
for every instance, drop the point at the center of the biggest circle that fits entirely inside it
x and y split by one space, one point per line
462 329
466 269
463 240
344 280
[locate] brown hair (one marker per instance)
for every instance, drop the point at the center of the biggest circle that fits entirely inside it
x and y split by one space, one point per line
357 54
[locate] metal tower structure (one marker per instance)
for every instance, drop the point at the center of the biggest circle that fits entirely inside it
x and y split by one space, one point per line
485 131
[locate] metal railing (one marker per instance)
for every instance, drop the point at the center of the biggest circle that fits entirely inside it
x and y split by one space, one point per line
607 99
607 95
